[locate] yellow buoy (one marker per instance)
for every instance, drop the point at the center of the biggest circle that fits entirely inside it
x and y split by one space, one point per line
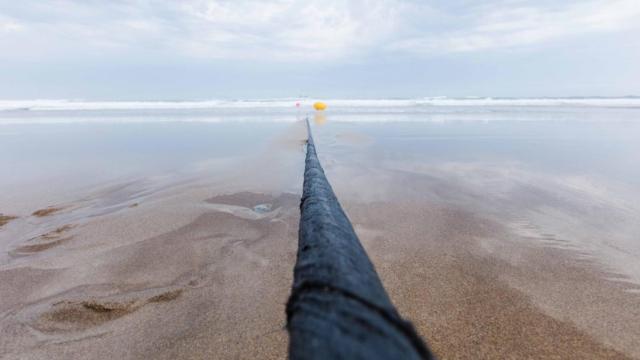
319 106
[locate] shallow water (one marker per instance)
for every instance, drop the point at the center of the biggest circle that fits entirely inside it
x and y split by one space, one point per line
567 184
61 158
516 159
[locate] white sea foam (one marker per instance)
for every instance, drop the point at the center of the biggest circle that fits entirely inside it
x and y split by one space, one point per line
437 109
57 105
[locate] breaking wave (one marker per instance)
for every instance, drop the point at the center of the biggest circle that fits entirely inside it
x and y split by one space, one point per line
69 105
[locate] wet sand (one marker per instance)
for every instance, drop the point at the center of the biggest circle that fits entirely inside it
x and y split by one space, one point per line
216 286
4 219
202 268
213 287
462 298
490 260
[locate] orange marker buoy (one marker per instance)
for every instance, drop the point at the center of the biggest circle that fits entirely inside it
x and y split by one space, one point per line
320 106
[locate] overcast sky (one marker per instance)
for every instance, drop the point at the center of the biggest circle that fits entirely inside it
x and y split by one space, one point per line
201 49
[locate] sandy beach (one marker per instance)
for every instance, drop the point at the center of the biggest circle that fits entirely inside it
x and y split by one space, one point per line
199 264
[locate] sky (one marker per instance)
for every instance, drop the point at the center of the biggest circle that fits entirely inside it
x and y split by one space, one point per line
204 49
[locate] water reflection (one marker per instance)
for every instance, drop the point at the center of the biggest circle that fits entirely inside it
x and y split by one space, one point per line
319 118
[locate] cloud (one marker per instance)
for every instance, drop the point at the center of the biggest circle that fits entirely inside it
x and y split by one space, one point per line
8 25
294 31
282 30
502 25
